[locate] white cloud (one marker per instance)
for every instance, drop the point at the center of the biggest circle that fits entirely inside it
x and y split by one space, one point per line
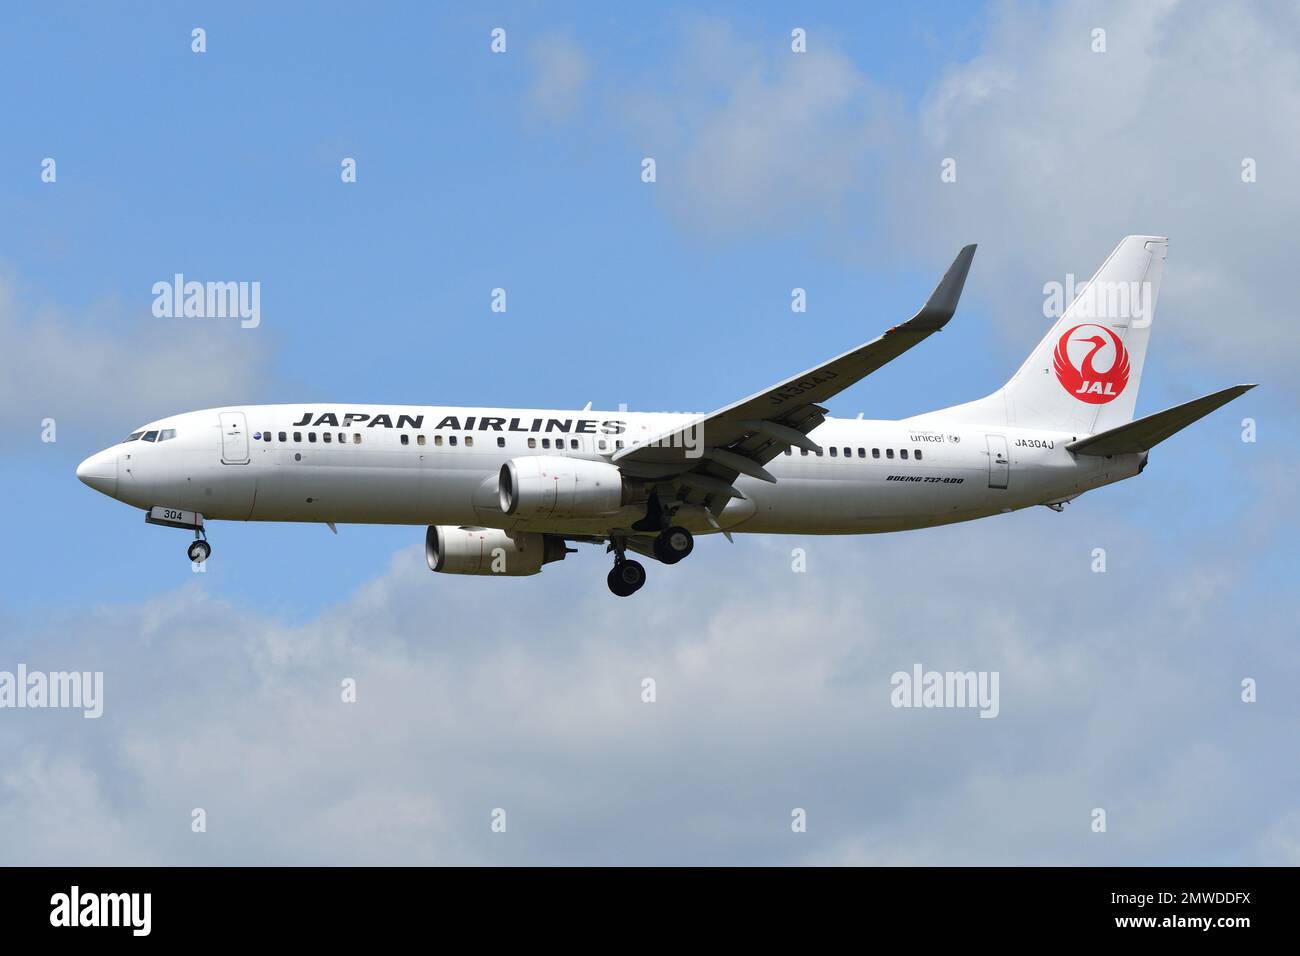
744 140
1060 152
561 73
475 694
108 368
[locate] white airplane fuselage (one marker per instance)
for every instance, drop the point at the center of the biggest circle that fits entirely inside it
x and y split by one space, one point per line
372 470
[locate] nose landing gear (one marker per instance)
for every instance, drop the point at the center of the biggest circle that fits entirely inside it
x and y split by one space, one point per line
199 550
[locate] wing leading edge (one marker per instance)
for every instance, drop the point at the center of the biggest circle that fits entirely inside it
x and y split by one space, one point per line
708 454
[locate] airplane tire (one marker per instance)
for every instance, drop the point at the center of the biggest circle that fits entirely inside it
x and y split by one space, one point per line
199 551
626 578
674 544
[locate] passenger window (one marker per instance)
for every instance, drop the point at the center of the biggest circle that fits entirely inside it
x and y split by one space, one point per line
601 444
356 438
437 441
804 452
862 453
311 437
889 453
618 443
266 436
532 443
326 437
343 438
283 437
848 453
819 453
150 436
501 441
419 439
406 439
573 443
875 453
903 454
469 441
918 454
546 443
835 452
451 440
297 436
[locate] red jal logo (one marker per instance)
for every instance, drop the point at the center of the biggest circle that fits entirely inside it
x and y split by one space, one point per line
1084 382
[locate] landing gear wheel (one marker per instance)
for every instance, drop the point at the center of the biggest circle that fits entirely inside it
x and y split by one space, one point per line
626 578
674 544
199 551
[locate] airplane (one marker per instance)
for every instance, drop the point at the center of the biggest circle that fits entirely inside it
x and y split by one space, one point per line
505 491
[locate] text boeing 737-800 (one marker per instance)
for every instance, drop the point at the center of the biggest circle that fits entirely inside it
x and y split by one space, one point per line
503 491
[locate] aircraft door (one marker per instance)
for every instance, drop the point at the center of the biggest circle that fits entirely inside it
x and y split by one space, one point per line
234 439
999 462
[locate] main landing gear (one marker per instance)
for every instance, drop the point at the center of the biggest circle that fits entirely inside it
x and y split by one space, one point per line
674 544
628 576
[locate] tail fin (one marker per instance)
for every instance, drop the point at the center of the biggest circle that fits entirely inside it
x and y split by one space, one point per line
1083 377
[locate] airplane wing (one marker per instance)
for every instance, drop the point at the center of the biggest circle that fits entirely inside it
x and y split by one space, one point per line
1145 433
707 455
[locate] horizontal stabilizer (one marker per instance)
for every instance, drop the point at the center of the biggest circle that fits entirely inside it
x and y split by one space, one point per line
1145 433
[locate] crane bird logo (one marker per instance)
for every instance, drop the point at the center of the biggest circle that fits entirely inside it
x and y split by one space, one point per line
1084 381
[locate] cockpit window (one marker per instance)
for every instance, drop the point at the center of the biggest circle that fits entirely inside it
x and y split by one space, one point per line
133 436
166 433
150 436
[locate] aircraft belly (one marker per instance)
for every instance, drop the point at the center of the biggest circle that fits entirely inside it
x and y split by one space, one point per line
872 504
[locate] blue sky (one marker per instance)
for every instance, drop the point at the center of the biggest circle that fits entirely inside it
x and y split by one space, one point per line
227 164
522 171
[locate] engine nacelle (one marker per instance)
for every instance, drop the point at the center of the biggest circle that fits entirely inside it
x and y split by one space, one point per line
454 550
552 487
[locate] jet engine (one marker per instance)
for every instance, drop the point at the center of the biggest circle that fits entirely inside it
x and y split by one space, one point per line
552 487
454 550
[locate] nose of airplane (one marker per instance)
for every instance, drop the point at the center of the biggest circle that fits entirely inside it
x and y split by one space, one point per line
99 471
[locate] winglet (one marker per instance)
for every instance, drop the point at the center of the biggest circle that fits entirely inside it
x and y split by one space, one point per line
941 305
